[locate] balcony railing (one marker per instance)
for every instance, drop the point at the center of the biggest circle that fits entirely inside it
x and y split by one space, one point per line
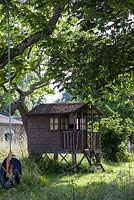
74 140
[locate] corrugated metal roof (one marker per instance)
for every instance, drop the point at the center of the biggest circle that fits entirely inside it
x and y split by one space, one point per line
5 120
56 108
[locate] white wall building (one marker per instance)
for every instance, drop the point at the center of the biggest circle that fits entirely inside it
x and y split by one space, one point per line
17 128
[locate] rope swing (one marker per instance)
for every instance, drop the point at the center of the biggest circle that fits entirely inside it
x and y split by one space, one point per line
11 170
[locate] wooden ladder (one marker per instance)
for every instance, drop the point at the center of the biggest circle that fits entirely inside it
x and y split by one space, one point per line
92 157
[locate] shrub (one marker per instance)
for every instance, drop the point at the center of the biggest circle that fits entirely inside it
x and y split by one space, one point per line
114 138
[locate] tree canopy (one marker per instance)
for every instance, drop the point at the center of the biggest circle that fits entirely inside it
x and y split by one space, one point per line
97 50
83 46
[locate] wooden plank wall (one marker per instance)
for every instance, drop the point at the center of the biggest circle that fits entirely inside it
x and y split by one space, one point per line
40 138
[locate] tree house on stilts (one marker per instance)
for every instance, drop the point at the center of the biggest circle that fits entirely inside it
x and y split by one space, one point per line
65 128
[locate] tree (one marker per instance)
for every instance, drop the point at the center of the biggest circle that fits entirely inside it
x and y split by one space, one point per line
96 50
82 45
31 22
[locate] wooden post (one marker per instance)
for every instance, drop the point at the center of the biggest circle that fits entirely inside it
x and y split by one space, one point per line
73 151
74 160
55 157
92 129
99 133
81 129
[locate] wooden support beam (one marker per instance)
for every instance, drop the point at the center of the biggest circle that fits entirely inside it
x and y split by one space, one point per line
80 161
88 158
55 157
48 157
64 158
73 158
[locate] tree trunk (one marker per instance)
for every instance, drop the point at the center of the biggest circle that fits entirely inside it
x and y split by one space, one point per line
19 105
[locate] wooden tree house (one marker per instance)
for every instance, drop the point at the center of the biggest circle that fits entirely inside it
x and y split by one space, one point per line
65 128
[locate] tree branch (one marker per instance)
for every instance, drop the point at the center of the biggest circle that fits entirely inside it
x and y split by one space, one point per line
37 85
34 38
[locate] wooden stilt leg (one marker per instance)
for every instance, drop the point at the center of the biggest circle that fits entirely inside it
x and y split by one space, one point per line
55 157
74 160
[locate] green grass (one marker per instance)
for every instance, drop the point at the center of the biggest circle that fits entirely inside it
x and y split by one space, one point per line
46 181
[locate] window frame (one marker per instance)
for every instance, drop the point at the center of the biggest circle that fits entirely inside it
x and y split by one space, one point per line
64 123
53 123
81 124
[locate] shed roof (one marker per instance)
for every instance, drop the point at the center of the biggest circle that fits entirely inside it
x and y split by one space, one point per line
57 108
5 120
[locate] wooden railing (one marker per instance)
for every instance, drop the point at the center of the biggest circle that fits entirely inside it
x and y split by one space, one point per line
73 140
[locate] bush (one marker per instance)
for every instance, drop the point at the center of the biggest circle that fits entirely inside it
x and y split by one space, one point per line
114 138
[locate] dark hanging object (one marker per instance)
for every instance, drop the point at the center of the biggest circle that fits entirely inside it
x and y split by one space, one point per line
11 179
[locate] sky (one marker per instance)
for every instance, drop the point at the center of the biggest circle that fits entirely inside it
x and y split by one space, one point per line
50 98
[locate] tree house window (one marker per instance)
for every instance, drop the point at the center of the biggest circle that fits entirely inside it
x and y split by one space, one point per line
81 124
64 123
54 125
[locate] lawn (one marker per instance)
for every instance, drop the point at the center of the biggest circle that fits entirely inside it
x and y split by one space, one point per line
44 181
